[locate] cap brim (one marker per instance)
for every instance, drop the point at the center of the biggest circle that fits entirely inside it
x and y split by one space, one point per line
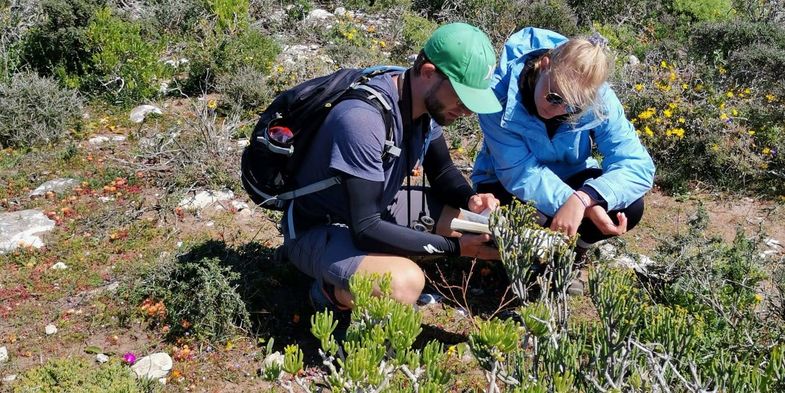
477 100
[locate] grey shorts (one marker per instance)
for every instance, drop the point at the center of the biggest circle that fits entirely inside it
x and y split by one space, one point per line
327 252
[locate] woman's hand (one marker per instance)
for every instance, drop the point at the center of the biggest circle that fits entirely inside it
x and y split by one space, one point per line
603 221
481 202
568 218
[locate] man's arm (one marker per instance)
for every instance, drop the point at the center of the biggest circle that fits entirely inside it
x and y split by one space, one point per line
373 234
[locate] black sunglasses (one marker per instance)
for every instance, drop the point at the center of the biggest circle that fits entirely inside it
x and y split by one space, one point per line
556 99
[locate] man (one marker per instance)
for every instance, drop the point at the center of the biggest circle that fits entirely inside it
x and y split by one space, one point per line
361 224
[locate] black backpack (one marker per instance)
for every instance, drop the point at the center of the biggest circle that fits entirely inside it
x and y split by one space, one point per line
286 128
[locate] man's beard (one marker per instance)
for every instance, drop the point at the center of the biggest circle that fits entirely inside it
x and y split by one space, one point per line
435 107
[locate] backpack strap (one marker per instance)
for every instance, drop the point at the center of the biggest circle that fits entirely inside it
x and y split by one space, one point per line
386 111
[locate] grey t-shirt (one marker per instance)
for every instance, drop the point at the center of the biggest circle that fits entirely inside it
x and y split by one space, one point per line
351 141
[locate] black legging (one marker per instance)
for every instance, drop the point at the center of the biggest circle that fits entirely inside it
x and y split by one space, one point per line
588 231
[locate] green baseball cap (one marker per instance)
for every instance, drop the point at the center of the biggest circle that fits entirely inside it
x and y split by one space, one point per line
465 54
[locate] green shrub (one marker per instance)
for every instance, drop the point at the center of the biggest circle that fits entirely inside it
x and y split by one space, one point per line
59 45
78 375
244 89
615 12
416 30
250 49
35 110
199 296
232 16
352 45
722 38
125 65
500 18
377 5
176 16
704 10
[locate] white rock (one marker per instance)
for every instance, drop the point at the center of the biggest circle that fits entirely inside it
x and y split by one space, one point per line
204 199
633 60
239 206
139 113
59 266
50 329
3 354
340 11
243 143
9 378
318 15
101 358
21 229
97 140
56 185
154 366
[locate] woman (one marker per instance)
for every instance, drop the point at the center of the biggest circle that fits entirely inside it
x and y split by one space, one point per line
556 105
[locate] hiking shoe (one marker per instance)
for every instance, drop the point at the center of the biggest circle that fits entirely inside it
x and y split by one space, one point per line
322 300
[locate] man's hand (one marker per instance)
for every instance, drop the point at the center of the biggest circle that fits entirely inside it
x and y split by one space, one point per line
477 246
603 221
568 218
480 202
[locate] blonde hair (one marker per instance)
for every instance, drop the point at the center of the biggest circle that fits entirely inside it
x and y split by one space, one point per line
579 67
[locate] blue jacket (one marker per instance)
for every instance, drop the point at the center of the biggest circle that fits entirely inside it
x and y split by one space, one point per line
518 153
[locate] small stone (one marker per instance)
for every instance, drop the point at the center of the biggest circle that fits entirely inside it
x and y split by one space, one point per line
57 186
97 140
239 206
3 354
50 329
59 266
318 15
101 358
155 366
633 60
204 199
141 112
21 228
9 378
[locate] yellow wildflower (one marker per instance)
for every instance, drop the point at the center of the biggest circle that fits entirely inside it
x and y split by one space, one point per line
766 151
715 147
667 113
722 106
724 116
747 91
729 94
672 76
758 298
679 132
638 86
212 104
734 112
382 44
770 97
681 120
672 105
751 132
684 86
722 70
648 131
664 64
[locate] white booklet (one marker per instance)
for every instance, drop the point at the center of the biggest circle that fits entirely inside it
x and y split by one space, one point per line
471 222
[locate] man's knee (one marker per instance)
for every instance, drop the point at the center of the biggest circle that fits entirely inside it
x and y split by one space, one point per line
407 284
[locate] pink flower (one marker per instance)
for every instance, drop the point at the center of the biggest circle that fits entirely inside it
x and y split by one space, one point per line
129 358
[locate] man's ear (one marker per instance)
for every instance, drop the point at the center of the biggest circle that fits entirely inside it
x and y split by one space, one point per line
427 70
